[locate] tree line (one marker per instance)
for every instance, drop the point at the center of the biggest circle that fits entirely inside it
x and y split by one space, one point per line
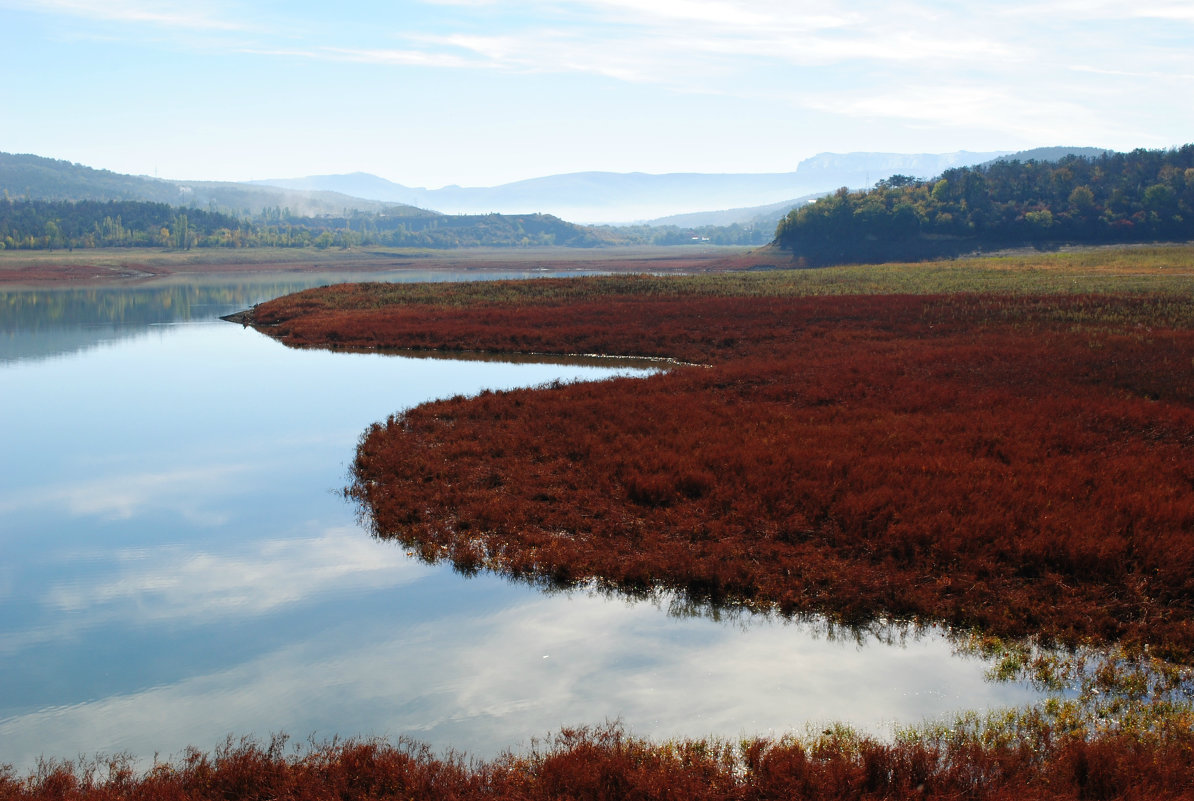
1144 195
64 225
733 234
57 224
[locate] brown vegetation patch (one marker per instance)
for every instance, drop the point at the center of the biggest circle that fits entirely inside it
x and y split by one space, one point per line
604 764
1017 463
121 265
48 274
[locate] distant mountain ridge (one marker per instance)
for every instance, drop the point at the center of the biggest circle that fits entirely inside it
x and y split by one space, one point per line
767 215
1051 154
667 199
583 196
40 178
629 197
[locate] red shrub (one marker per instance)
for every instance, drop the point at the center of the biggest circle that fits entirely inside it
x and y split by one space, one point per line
980 460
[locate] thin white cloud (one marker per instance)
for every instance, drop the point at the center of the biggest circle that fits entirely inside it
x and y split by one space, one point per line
172 583
1175 10
703 11
123 496
1152 75
165 14
681 41
708 61
962 105
379 56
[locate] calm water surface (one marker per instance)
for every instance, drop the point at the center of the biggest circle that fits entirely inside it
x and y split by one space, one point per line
177 564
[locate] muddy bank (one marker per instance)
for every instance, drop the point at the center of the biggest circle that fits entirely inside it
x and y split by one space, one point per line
115 267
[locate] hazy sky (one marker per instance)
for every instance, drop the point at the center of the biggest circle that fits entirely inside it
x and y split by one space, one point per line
479 92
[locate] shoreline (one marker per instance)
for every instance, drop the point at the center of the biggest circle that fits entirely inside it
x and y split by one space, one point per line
106 267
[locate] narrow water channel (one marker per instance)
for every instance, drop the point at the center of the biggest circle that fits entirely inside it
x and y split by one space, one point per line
177 564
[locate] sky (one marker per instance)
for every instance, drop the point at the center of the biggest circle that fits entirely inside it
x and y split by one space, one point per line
481 92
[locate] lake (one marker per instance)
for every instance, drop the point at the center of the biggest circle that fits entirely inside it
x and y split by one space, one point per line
178 563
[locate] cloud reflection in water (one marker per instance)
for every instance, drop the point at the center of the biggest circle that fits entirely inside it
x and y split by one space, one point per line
528 664
180 582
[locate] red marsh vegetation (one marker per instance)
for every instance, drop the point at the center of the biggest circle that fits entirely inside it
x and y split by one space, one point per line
1017 459
604 764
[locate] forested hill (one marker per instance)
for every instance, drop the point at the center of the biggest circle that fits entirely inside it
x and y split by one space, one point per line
44 224
48 204
1145 195
29 177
